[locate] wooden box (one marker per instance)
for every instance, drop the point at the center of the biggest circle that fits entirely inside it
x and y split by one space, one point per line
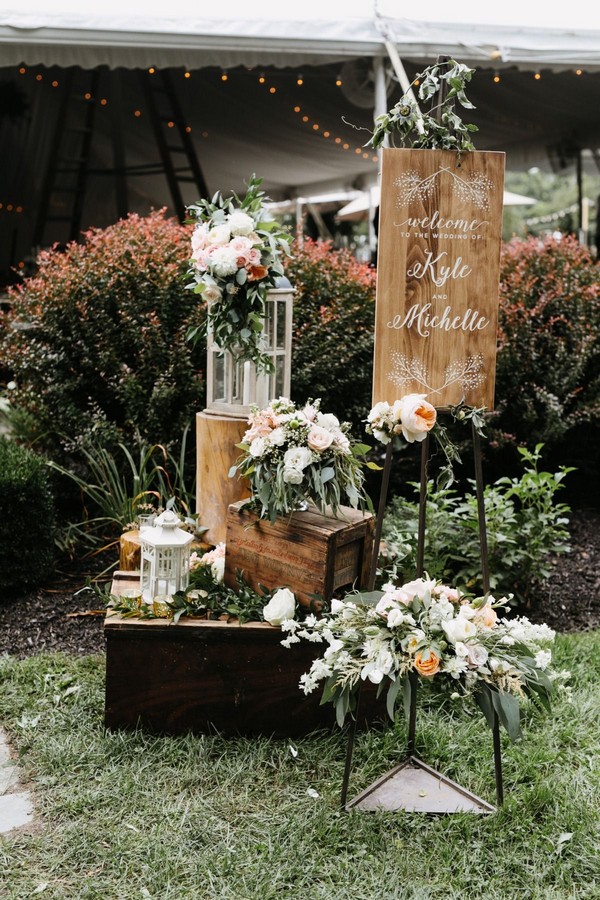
201 676
307 552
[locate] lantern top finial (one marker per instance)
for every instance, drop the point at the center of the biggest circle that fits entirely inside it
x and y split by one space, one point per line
165 532
167 519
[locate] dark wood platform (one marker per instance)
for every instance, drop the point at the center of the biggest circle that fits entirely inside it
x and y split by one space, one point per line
204 676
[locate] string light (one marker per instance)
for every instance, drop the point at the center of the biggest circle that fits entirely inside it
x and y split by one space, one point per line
22 70
496 78
151 70
103 102
188 129
358 150
187 74
299 80
579 71
19 209
297 109
38 77
365 155
261 79
315 127
305 118
346 146
537 76
338 140
205 134
224 76
338 81
55 84
272 90
326 134
171 124
137 113
9 207
87 96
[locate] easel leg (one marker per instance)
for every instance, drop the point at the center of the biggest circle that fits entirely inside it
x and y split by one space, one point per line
385 482
422 507
485 578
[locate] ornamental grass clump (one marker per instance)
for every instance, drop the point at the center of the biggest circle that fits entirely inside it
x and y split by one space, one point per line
426 630
293 454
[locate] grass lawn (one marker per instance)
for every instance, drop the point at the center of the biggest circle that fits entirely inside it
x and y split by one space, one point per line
129 815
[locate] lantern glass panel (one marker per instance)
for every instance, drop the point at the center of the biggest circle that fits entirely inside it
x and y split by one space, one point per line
281 317
219 376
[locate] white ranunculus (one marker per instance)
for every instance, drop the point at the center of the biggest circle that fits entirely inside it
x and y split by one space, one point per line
297 457
280 607
459 629
240 223
218 568
277 437
219 235
292 475
258 447
223 261
395 617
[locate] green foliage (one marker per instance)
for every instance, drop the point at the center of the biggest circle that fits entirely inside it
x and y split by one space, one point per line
439 129
548 374
334 317
96 340
26 518
525 525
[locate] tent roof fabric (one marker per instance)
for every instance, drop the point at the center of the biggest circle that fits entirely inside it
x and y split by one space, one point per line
124 41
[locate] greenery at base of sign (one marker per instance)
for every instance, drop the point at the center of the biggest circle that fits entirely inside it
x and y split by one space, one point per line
439 129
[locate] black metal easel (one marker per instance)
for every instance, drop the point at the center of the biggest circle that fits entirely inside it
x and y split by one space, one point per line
413 677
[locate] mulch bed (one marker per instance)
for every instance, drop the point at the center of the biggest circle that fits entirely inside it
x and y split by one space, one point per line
61 618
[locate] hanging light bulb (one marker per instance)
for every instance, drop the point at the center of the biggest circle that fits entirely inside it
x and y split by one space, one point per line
224 76
299 79
496 78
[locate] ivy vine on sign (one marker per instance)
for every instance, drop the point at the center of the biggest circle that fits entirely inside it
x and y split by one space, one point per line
441 128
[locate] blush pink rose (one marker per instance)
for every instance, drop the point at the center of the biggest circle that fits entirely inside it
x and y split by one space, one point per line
319 438
241 246
417 417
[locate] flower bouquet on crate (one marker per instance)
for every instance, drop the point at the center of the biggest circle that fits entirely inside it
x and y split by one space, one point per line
237 252
293 454
434 632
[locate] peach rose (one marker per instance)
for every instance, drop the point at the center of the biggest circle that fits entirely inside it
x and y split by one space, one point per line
487 616
255 273
427 667
417 417
319 439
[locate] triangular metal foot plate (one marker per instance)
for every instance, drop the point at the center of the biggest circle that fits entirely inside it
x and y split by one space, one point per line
416 787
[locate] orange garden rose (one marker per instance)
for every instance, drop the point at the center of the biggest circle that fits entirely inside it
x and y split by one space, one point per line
427 667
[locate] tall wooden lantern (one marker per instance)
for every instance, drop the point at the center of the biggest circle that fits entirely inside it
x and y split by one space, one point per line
232 387
165 557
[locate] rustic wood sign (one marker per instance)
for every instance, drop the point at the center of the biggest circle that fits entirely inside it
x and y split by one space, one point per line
440 228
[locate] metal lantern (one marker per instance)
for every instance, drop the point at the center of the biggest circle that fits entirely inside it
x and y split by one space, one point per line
233 385
165 551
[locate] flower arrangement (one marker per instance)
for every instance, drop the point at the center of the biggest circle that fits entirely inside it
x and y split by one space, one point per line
213 558
427 130
237 252
296 454
412 416
437 634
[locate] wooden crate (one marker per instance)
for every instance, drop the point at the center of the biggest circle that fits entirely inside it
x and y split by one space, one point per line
202 676
307 552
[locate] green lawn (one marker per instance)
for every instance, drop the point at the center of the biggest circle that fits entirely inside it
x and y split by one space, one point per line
128 815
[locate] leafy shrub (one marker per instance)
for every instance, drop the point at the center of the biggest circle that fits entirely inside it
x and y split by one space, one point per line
334 315
97 338
26 518
548 377
525 525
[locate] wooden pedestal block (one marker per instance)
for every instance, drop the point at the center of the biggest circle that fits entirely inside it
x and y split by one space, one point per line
216 439
202 676
307 552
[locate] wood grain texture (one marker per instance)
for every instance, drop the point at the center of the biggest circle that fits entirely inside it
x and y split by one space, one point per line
440 232
202 676
307 552
130 551
216 453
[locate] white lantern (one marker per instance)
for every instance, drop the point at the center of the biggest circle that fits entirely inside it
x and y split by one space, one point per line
233 385
165 551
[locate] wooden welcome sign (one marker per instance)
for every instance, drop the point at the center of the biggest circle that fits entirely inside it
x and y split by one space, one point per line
440 228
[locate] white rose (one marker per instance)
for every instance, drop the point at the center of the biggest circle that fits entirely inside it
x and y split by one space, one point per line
219 235
292 475
459 629
223 261
240 223
417 416
211 293
319 438
297 457
281 606
477 655
328 421
381 410
218 568
418 588
395 617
